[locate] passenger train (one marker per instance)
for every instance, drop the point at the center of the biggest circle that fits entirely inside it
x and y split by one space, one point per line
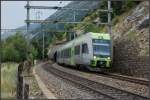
93 51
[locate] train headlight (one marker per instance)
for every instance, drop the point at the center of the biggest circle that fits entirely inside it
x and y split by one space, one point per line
94 57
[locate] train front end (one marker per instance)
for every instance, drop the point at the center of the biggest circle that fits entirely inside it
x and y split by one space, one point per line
102 51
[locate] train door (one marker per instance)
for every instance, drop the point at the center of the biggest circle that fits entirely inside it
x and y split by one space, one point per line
79 58
77 55
85 52
55 57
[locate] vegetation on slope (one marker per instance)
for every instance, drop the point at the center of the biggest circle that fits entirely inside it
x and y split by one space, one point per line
119 7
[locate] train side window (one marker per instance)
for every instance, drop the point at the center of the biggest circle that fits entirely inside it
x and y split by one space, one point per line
61 54
65 53
57 54
77 50
85 48
69 50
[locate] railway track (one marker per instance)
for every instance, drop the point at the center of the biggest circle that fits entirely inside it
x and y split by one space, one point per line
109 92
126 78
121 77
77 82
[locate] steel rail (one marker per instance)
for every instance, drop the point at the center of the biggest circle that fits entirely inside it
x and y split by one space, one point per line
126 78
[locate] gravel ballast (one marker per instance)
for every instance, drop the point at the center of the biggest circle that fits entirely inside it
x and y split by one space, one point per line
124 85
63 89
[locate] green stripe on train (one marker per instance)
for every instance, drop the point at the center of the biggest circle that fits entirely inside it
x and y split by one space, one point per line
101 36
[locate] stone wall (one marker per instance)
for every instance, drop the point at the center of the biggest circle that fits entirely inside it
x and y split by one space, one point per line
127 61
131 43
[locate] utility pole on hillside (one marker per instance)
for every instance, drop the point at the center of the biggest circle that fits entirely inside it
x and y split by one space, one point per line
110 25
109 16
38 16
28 28
74 19
43 43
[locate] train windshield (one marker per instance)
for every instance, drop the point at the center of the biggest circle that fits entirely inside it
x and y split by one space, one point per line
101 47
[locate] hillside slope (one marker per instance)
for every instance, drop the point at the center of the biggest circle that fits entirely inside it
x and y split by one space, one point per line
131 42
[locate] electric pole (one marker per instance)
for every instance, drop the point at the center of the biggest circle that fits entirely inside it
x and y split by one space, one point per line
28 18
110 26
43 41
28 26
74 19
109 16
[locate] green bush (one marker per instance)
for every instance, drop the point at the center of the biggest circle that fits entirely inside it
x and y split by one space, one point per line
10 54
91 28
15 48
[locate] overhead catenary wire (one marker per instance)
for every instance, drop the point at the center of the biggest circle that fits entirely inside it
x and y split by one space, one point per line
28 21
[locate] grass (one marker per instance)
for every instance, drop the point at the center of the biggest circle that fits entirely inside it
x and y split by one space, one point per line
8 80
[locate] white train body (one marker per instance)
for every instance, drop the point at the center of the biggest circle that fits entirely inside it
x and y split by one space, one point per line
83 51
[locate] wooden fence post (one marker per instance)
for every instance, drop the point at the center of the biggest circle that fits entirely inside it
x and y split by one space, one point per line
20 82
26 91
20 88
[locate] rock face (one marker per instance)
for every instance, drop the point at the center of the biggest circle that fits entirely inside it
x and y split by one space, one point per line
131 42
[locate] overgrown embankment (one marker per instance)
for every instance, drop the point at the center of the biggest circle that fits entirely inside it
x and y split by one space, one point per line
8 80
